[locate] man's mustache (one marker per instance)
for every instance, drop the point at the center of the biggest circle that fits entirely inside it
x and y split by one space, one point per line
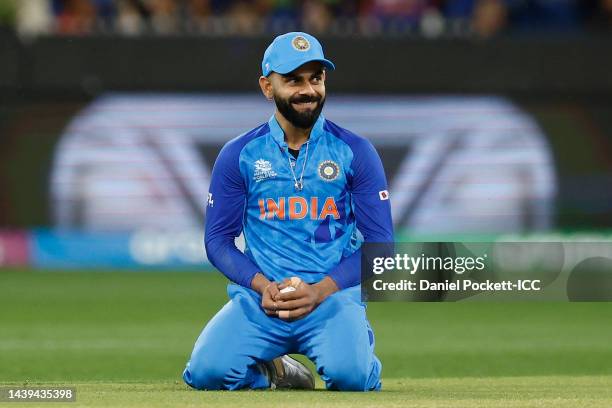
305 99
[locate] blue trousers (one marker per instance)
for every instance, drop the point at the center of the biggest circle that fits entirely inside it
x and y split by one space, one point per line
336 336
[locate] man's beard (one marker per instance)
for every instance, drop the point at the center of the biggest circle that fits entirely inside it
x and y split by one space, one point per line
302 120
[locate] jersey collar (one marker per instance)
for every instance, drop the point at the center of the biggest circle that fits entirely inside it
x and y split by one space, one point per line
279 135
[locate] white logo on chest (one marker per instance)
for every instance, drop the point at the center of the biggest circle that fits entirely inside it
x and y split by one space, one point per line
263 170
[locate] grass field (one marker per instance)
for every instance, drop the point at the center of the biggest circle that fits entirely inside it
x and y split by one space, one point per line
122 339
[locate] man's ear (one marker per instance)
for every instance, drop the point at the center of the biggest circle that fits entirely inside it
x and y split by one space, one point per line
266 87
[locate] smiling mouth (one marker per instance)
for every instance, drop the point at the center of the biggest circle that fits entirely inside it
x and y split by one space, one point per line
305 105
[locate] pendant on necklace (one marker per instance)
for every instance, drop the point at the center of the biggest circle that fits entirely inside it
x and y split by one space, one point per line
299 186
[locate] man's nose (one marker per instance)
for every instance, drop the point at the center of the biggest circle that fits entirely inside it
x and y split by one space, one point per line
307 89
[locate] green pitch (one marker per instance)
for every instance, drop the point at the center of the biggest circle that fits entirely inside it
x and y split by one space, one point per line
122 339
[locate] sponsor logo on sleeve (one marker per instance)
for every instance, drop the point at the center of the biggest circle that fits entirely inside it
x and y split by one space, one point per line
383 195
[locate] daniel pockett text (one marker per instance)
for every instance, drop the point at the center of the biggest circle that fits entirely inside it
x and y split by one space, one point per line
499 271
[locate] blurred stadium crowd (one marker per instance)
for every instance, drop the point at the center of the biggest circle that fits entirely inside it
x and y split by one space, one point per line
430 18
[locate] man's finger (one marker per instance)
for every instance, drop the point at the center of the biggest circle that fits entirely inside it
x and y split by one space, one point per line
293 304
267 300
268 303
293 314
271 312
296 294
272 290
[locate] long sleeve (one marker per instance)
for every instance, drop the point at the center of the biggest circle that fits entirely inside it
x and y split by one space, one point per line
370 197
224 217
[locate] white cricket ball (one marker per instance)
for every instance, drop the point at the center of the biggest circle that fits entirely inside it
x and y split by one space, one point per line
295 283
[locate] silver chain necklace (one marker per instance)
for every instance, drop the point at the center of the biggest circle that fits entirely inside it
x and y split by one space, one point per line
299 185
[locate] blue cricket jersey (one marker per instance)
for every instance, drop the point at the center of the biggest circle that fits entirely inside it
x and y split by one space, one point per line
310 233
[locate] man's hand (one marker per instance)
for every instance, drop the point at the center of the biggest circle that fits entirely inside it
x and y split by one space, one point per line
297 304
269 292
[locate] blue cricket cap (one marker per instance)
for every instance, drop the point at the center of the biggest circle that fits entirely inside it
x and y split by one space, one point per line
292 50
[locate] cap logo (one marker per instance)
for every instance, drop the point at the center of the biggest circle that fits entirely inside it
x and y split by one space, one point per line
300 43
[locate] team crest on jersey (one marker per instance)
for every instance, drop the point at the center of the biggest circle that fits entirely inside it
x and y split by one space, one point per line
263 170
300 43
329 170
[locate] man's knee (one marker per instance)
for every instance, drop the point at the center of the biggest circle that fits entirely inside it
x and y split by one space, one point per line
204 375
349 376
